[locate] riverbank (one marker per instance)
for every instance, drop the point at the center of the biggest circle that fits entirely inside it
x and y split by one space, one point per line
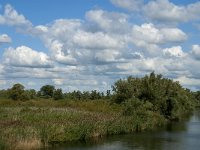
175 136
42 123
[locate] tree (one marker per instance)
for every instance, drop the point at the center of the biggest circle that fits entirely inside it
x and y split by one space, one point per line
122 91
31 93
58 94
47 91
78 95
17 92
95 95
86 95
197 95
108 94
4 94
166 96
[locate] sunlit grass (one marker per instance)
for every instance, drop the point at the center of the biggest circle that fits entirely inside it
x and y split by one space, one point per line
41 123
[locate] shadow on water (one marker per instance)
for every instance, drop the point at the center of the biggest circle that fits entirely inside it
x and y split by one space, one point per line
182 135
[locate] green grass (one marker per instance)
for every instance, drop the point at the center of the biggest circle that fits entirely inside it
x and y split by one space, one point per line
41 123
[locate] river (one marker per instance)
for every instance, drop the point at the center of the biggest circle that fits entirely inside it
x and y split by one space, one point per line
184 135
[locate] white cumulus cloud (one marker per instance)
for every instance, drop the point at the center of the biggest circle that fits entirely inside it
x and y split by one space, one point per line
175 51
26 57
151 34
4 38
13 18
108 21
164 10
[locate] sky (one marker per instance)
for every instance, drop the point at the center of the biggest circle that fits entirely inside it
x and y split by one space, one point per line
90 44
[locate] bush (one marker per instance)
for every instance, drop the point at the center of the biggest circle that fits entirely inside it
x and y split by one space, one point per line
47 91
58 94
161 94
136 106
17 92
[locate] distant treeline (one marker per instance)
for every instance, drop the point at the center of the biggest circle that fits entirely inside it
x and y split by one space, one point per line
18 92
153 92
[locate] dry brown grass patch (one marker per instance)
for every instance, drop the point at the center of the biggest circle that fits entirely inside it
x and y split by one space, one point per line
29 144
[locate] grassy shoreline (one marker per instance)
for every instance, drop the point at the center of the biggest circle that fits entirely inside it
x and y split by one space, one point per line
41 123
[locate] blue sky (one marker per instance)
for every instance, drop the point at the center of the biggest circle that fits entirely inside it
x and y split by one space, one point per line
89 44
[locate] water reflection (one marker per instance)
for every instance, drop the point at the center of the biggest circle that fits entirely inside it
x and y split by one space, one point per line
184 135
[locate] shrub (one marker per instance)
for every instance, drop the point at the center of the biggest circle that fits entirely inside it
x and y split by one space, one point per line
164 95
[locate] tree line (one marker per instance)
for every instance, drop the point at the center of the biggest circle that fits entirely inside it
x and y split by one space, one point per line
152 92
18 92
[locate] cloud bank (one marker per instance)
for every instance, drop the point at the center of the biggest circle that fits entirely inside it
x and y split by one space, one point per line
93 52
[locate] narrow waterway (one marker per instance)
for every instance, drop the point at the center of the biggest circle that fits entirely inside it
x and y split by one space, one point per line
183 135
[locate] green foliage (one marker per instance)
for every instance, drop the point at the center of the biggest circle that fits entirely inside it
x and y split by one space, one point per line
4 94
31 93
166 96
122 91
95 95
197 96
3 145
86 95
58 94
136 107
47 91
41 123
17 92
